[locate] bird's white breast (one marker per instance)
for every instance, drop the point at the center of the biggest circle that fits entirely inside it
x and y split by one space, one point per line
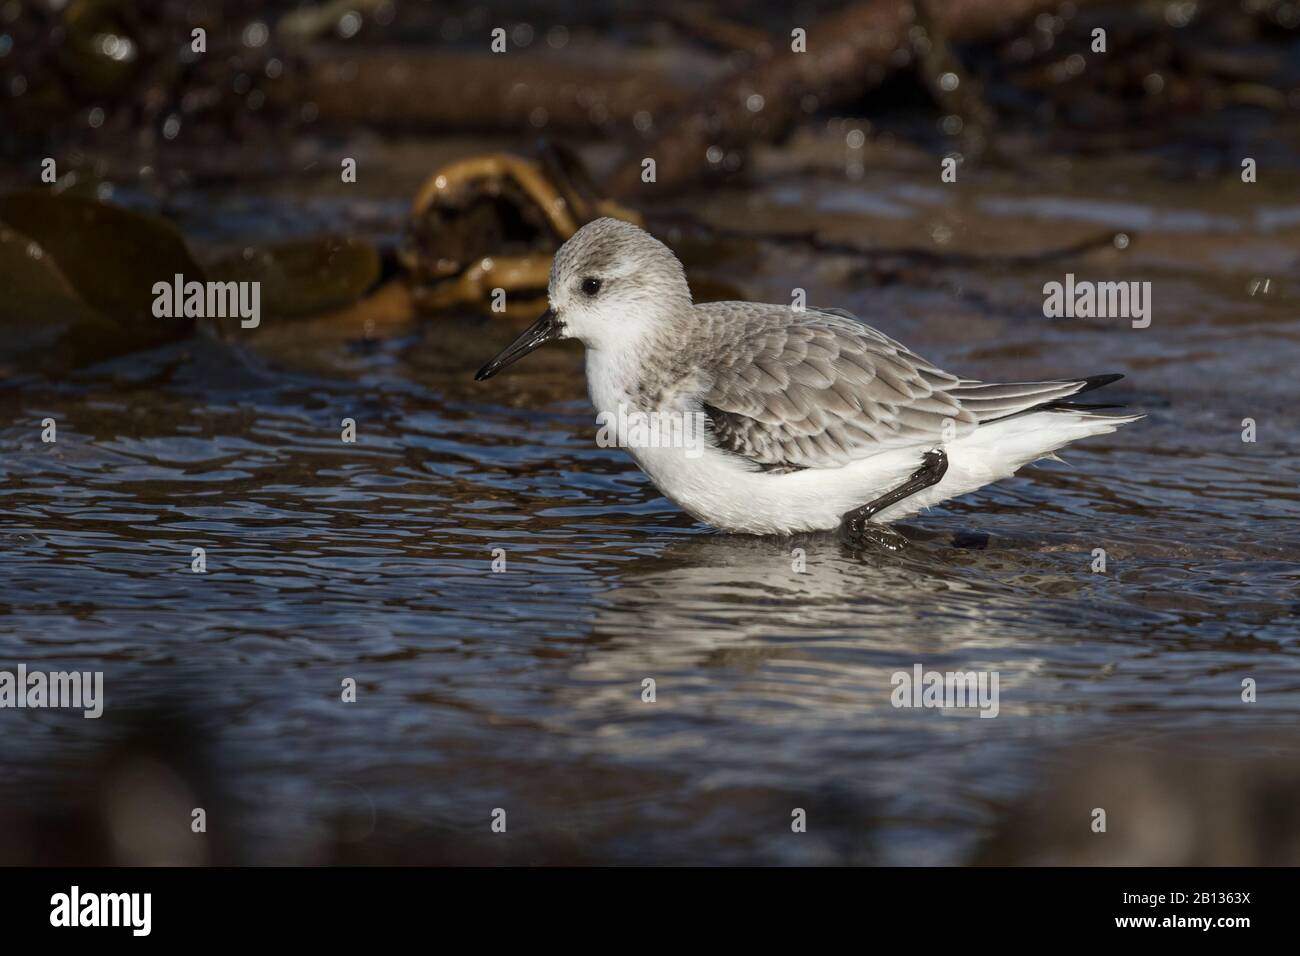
724 490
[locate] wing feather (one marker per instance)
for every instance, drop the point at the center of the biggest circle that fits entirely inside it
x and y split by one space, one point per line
819 389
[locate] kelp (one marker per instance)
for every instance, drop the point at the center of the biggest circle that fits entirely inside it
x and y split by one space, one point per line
83 279
79 277
304 277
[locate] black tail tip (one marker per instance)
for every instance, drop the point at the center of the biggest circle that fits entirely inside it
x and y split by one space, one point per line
1097 381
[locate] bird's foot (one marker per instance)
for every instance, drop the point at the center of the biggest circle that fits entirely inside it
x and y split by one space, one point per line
862 533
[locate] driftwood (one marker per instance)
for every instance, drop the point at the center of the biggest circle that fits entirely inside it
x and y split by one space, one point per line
660 101
848 53
523 92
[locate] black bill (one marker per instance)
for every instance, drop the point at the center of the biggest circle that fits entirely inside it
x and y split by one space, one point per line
535 336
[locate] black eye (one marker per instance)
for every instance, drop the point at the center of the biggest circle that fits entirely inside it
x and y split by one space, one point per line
590 286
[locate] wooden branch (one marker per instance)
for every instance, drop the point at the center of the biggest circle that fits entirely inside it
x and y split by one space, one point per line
848 53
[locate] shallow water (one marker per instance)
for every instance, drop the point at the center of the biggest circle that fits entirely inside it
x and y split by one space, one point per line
522 689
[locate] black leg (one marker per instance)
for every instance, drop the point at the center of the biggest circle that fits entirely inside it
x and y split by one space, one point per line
856 523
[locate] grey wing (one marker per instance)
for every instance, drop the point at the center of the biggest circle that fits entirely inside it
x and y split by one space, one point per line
819 389
991 401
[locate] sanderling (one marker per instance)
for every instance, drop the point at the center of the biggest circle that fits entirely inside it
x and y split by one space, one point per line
815 420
